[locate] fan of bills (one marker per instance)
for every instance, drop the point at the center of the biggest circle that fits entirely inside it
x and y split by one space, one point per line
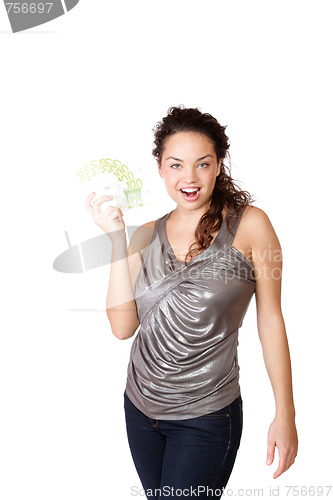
112 177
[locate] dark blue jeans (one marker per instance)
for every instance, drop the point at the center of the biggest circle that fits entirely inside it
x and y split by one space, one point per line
188 458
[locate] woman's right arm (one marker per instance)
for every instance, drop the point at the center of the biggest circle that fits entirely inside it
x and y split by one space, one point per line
120 304
125 266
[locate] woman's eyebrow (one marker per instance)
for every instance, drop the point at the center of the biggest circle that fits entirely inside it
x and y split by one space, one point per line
178 159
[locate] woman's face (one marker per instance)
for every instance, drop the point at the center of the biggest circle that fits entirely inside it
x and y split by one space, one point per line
189 160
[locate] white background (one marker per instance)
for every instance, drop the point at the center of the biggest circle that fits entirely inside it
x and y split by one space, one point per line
91 85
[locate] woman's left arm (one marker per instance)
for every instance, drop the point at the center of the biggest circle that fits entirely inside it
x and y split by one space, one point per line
267 262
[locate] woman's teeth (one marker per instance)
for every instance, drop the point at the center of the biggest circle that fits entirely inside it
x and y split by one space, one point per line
190 192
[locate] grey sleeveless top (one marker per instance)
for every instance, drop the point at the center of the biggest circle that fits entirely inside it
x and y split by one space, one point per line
183 360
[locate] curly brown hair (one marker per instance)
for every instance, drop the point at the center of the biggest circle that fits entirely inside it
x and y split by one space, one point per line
226 194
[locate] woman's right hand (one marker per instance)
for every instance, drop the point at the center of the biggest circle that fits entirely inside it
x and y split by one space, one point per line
110 221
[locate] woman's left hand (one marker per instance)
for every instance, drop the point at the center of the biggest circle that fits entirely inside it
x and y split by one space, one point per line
282 433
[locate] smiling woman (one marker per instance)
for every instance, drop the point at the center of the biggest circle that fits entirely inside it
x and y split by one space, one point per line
182 401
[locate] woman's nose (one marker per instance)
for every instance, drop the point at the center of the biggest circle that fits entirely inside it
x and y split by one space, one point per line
190 176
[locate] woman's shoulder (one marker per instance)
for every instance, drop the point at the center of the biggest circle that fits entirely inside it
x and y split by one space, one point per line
254 216
256 225
150 224
142 237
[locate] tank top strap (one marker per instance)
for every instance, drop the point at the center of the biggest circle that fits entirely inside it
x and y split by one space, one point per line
158 224
159 229
159 233
230 227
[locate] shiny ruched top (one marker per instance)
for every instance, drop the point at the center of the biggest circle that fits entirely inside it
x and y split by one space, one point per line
183 361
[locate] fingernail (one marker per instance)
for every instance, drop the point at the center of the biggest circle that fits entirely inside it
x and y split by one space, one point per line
268 461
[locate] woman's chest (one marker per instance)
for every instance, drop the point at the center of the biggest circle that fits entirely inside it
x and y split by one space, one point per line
181 241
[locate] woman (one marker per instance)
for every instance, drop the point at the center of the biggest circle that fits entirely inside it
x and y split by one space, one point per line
187 280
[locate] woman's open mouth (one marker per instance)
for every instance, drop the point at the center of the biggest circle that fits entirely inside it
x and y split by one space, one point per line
190 194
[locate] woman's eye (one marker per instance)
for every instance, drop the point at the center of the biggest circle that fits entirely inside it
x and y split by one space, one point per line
177 165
